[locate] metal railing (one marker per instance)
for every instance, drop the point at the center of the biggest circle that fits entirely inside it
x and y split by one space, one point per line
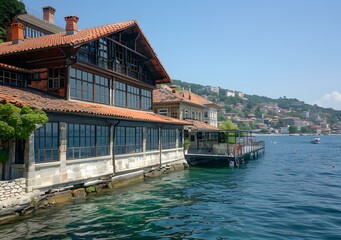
232 150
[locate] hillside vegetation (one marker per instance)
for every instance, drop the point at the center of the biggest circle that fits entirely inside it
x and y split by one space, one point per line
254 105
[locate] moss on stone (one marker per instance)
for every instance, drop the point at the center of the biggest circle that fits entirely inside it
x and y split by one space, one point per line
90 189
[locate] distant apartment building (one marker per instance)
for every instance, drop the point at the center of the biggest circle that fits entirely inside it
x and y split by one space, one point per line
267 121
239 94
316 129
325 129
283 130
213 89
306 114
261 126
290 121
230 93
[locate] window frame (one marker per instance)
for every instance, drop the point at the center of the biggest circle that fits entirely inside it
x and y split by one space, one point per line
46 143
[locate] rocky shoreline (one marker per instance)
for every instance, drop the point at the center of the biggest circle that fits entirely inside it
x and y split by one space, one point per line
16 207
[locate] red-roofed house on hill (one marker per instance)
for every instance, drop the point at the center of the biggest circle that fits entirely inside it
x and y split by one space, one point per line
184 104
96 87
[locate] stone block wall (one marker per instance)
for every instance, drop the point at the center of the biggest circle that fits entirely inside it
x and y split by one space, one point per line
172 155
12 188
129 162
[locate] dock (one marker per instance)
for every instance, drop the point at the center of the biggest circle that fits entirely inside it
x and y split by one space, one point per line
231 152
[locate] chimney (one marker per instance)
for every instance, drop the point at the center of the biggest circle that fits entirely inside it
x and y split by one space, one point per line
17 33
48 13
71 25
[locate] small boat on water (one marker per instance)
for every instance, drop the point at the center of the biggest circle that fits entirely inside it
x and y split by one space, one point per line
315 140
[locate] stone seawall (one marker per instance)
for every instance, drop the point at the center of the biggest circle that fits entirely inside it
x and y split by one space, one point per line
12 189
17 206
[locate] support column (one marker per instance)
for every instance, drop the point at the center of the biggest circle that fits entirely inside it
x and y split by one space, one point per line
62 151
144 140
160 144
11 160
177 138
111 150
29 158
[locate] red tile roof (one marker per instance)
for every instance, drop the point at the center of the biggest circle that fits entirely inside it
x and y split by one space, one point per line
10 67
48 103
79 38
18 69
61 39
168 96
198 125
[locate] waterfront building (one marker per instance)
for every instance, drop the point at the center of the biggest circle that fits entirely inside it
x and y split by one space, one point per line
184 104
96 86
291 121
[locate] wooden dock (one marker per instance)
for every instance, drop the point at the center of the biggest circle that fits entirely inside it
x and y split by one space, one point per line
232 156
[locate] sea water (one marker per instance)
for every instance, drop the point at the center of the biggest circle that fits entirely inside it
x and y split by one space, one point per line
291 192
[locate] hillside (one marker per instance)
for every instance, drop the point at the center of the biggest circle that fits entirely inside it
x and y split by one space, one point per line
262 107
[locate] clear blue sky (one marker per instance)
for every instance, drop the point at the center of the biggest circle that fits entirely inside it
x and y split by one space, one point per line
270 48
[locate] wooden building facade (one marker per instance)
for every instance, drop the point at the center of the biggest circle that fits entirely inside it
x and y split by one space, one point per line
96 86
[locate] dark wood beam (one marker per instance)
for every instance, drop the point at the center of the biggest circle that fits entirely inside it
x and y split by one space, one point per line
132 50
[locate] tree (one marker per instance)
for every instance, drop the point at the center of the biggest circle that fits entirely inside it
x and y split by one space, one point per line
221 117
306 129
18 123
228 125
292 129
8 9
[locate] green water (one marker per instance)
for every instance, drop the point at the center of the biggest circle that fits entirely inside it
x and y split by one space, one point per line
292 192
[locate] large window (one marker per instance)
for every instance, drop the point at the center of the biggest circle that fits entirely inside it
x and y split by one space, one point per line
56 79
119 59
180 144
134 67
163 112
89 87
113 53
133 97
46 142
10 78
87 52
152 139
84 141
120 94
102 53
128 140
146 97
32 33
168 138
102 140
102 88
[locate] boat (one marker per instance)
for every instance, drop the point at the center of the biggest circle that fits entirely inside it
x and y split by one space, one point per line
315 140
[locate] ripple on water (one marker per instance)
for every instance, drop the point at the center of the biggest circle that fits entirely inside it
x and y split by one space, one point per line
292 192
